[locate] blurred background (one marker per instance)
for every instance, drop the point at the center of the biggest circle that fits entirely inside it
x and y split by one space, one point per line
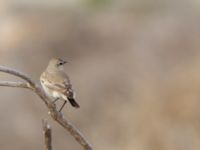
135 66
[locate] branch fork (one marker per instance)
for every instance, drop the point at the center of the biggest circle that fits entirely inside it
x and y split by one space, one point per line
28 83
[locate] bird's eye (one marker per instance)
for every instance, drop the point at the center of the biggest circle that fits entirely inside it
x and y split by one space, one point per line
59 64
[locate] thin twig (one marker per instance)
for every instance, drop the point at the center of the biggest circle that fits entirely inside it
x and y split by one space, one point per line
57 116
17 73
14 84
47 135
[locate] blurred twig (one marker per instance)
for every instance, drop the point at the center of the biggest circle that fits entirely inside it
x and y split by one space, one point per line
56 115
14 84
47 135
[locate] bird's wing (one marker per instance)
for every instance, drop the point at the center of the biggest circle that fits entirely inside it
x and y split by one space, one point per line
61 86
65 88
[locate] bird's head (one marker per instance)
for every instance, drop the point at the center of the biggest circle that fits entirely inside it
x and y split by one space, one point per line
56 63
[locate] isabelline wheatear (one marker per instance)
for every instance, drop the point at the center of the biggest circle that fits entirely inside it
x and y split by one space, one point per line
56 83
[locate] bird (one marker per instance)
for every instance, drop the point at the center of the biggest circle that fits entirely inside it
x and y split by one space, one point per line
56 83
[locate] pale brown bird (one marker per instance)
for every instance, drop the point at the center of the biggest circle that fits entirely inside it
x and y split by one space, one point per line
56 83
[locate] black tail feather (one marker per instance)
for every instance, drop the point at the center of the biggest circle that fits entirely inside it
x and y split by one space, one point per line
73 102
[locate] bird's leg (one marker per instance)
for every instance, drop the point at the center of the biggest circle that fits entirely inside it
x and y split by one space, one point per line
62 106
55 100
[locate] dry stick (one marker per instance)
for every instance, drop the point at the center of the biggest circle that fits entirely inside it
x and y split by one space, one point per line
47 135
57 116
14 84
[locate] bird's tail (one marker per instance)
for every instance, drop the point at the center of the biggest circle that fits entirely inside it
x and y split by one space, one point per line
73 102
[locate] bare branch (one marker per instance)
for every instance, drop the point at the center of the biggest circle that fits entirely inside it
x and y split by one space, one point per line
47 135
14 84
75 132
56 115
17 73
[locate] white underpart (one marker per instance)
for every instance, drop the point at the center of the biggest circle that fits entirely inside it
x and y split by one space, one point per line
53 95
59 95
74 94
